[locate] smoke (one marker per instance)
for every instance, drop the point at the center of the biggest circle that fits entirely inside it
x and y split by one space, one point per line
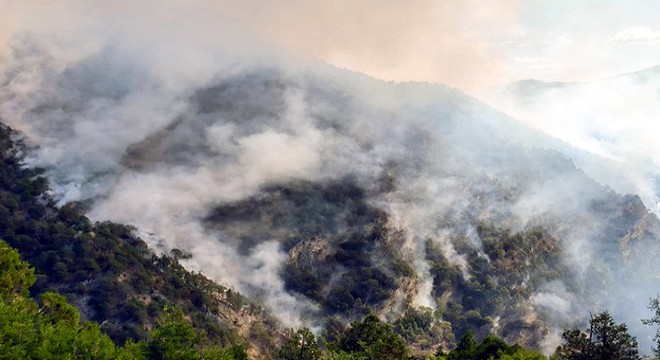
610 123
612 118
161 115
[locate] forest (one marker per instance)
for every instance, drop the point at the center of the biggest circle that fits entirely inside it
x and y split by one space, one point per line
73 289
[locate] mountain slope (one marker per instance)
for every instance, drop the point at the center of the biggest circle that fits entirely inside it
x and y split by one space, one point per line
325 194
110 274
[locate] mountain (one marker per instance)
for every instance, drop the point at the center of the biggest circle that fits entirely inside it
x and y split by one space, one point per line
325 195
610 122
108 273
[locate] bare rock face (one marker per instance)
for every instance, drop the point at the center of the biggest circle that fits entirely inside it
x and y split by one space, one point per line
642 242
307 254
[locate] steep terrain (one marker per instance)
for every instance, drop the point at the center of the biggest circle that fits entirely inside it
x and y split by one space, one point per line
325 195
602 117
108 273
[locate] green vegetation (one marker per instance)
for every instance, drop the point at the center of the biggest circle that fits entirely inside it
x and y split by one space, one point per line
343 256
109 274
300 345
345 280
507 269
149 306
490 348
603 340
423 329
53 329
368 339
654 305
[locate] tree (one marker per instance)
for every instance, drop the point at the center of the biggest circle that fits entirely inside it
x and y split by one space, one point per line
655 320
466 348
523 354
16 276
373 339
300 345
55 309
224 353
490 348
19 332
52 331
604 340
576 346
173 338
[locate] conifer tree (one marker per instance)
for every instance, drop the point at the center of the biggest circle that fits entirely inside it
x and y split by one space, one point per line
603 340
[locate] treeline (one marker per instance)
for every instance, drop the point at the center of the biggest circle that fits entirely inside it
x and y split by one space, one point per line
373 339
52 328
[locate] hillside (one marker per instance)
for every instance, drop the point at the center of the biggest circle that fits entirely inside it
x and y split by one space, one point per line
321 195
108 273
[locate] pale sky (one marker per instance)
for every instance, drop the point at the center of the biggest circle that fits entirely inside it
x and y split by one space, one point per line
470 44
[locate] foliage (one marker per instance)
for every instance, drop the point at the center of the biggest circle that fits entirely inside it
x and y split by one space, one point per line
466 348
654 305
53 330
339 213
103 268
490 348
15 275
300 345
173 338
371 339
49 331
604 340
507 267
415 323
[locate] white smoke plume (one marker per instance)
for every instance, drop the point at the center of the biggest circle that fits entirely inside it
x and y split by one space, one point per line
611 125
161 115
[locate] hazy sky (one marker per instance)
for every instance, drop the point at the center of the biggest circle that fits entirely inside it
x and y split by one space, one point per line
471 44
475 45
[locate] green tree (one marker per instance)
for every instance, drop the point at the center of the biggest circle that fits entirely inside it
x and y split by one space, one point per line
55 309
466 348
654 305
173 338
373 339
52 331
300 345
91 344
19 332
16 276
224 353
522 354
604 340
490 348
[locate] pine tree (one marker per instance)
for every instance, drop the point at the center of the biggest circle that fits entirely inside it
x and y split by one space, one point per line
300 345
655 320
603 340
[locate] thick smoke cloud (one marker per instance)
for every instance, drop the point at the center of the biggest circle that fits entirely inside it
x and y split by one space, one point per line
158 120
612 118
611 125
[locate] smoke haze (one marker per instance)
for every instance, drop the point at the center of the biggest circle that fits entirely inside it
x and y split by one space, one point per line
162 114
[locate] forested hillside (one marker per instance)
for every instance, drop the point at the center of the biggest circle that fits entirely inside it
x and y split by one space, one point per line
148 304
321 196
131 303
108 273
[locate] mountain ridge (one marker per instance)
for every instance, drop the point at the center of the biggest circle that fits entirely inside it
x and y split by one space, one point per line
396 190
